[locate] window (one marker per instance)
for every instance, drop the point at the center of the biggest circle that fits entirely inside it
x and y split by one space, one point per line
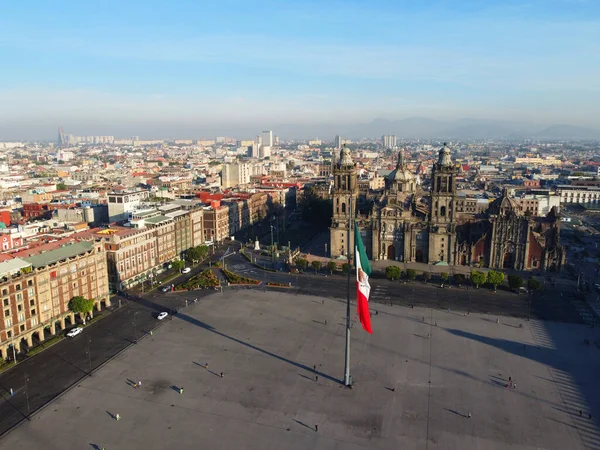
19 307
33 312
22 328
19 297
21 317
8 333
30 292
7 312
33 322
4 291
29 283
8 322
32 302
18 287
5 302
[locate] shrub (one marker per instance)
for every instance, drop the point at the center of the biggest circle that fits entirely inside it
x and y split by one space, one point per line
301 263
459 278
533 284
495 278
316 265
332 267
477 278
426 276
411 274
345 268
444 276
234 278
515 282
392 272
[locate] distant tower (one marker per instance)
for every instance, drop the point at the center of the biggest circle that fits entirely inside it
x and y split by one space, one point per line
338 142
345 189
61 136
441 217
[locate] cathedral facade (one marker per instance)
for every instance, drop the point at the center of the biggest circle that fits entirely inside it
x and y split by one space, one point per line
405 223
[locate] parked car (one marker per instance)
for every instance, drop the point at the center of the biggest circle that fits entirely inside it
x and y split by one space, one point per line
74 332
162 315
186 270
166 288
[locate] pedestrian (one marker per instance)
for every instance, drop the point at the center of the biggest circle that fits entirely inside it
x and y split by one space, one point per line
469 415
12 392
140 383
428 335
436 323
497 320
221 374
394 390
316 377
316 427
423 319
323 302
590 416
376 312
325 322
118 417
181 390
580 413
206 366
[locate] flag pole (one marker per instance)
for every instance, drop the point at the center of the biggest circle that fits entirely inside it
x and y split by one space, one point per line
347 378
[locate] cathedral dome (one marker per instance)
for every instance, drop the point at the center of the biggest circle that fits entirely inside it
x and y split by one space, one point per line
401 174
345 158
445 156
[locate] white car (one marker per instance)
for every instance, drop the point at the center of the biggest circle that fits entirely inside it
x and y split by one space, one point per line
186 270
162 315
74 332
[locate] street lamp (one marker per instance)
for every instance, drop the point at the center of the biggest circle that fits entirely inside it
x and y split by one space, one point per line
272 252
134 328
89 356
27 397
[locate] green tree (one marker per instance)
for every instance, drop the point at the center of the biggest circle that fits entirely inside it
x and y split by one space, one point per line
392 272
444 276
345 268
477 278
178 265
61 187
301 263
495 278
332 267
459 278
411 274
426 276
193 254
515 282
533 284
81 305
202 252
316 265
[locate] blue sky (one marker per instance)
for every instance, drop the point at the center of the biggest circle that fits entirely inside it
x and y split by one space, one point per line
121 67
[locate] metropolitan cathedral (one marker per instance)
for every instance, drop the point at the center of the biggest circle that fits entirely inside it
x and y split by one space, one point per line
405 223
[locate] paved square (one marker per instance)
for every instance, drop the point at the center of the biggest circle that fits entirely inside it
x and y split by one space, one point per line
415 383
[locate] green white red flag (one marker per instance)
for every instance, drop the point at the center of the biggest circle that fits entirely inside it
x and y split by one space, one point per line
363 288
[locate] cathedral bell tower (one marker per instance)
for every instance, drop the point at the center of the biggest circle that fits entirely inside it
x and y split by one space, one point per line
345 192
441 210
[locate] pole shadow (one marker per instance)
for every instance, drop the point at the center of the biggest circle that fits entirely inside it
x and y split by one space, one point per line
455 412
303 424
112 416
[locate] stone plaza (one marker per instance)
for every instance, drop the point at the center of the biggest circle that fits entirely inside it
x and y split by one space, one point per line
249 369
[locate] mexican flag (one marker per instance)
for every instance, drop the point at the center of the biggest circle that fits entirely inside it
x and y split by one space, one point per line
363 288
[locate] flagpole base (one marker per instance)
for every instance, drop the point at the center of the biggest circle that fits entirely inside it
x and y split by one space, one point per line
348 381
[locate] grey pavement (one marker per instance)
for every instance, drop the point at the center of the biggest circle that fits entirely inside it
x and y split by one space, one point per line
266 344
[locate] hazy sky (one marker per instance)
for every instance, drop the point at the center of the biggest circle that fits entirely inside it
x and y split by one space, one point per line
185 67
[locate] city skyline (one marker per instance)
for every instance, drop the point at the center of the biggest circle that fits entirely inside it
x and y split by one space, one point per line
189 71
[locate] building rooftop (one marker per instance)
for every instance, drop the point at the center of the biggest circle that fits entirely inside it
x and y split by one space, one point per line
63 252
157 220
12 266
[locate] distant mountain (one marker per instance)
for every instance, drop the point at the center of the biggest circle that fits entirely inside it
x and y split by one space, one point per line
424 128
568 132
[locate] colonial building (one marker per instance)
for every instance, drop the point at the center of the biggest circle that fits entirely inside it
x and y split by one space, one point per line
405 223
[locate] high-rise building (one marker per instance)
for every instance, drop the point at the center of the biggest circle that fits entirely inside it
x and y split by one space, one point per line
61 136
235 174
265 151
389 141
267 138
338 142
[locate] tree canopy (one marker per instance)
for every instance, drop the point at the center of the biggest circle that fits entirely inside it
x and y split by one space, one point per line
495 278
515 281
533 284
477 278
331 266
392 272
81 305
316 265
301 263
